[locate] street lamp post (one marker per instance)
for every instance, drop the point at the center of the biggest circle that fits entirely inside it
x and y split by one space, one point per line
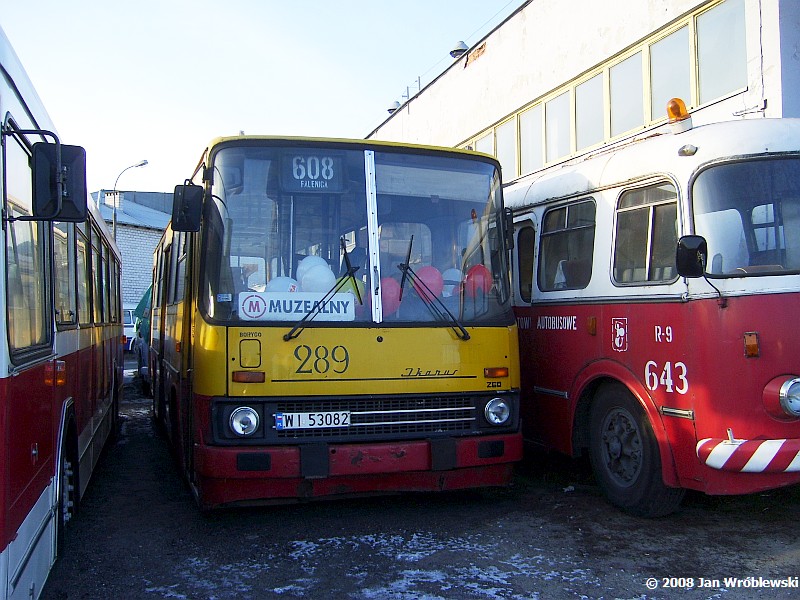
141 163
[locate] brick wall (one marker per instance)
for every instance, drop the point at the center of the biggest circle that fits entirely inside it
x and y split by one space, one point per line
137 245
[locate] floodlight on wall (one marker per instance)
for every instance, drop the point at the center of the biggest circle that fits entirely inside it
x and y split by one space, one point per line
393 106
459 50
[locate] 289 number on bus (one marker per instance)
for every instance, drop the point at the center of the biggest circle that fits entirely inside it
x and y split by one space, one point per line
672 377
321 359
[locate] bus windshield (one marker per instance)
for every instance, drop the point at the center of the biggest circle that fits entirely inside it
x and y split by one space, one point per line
421 234
749 213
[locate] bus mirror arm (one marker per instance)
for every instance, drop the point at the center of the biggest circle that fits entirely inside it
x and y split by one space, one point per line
691 259
58 179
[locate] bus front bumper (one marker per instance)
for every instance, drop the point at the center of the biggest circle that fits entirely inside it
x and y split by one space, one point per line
236 475
750 456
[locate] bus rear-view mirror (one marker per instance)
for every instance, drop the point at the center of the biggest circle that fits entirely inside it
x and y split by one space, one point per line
187 206
59 196
691 256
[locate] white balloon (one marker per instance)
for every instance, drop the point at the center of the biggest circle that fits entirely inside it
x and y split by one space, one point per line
318 278
307 263
282 284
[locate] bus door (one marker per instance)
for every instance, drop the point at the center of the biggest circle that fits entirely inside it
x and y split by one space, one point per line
160 290
176 326
556 268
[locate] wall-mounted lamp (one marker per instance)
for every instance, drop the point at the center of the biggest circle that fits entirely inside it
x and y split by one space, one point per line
459 50
393 106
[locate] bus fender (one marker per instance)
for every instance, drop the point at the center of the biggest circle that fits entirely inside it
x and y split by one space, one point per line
586 384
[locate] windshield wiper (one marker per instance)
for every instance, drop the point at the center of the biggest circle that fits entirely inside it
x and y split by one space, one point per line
432 301
404 268
351 270
318 306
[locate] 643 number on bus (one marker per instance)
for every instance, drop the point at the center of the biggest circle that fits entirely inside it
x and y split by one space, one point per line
671 376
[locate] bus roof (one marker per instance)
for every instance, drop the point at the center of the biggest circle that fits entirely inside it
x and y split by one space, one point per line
353 142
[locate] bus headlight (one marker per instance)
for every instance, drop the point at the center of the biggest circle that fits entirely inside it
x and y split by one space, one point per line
243 421
790 397
782 397
497 411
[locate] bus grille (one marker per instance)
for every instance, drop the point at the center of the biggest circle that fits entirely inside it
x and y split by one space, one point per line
386 416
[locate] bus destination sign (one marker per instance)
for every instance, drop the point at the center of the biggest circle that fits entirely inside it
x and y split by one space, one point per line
311 171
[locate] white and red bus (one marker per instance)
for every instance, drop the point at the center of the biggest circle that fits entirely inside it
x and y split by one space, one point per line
60 335
657 283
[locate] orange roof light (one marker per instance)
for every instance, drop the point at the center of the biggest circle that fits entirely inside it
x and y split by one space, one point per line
676 110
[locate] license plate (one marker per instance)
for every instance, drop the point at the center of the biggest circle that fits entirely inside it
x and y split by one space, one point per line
312 420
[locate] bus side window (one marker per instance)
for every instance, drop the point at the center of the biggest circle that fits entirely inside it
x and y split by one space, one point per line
526 241
567 247
27 264
646 235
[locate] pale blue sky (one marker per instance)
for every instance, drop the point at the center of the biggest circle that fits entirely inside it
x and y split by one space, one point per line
158 79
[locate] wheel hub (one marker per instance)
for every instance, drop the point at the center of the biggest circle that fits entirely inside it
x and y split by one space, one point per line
623 446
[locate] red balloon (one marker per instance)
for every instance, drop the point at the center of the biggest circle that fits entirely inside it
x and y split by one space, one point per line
478 281
390 295
432 278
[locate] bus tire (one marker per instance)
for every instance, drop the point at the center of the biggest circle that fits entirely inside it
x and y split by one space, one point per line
625 458
68 491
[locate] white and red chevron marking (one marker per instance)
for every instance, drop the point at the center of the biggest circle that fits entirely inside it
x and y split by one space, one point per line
750 456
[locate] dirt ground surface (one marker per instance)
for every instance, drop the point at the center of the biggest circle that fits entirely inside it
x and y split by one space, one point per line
550 535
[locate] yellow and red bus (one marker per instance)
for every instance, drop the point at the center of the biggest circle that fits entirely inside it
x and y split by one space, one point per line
60 335
333 317
656 286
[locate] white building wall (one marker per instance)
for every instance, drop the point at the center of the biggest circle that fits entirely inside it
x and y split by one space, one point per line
550 42
136 245
789 39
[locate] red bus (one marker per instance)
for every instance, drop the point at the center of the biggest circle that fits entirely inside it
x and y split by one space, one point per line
60 335
657 283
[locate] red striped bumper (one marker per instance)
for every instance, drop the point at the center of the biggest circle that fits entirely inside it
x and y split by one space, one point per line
750 456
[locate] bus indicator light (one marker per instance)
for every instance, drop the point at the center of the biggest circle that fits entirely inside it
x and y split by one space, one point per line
494 372
249 376
55 373
751 347
591 325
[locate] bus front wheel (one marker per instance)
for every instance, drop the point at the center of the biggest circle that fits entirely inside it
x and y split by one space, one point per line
625 457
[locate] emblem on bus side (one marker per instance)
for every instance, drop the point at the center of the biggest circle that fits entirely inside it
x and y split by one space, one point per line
619 333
